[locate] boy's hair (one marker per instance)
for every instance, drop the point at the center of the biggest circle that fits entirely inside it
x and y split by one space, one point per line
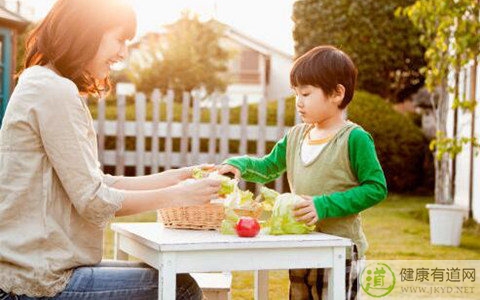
70 35
325 67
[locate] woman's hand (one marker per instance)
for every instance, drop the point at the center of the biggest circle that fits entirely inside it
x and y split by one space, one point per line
305 211
197 192
225 168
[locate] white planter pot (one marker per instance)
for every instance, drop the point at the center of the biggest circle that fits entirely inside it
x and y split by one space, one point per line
446 223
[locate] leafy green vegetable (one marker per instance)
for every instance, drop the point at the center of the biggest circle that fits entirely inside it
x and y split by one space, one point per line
227 227
240 199
246 198
226 187
283 221
198 173
229 222
267 198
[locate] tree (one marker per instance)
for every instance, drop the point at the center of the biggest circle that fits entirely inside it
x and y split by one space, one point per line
451 35
187 56
20 55
385 48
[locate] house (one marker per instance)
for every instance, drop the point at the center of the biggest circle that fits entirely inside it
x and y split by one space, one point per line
467 163
255 69
258 70
11 25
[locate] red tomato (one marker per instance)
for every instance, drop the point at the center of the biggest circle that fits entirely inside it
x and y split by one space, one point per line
247 227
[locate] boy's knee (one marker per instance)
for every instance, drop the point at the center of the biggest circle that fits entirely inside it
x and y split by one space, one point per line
187 288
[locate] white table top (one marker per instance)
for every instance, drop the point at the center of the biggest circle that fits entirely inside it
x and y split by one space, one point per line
156 236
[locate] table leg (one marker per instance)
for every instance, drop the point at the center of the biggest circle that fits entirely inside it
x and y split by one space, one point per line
167 277
336 280
118 254
261 284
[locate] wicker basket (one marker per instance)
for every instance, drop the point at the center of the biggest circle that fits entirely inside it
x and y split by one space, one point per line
208 216
203 217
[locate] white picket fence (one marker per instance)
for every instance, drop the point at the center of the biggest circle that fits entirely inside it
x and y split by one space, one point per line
190 130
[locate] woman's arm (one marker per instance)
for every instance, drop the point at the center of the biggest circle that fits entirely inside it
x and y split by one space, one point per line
155 181
197 193
147 182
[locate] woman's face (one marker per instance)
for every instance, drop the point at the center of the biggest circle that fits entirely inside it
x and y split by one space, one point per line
112 49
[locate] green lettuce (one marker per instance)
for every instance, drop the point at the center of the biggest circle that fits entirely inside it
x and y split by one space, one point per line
229 222
198 173
240 199
267 198
246 198
227 185
282 220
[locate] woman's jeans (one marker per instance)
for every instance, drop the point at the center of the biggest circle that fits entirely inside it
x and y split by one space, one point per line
117 280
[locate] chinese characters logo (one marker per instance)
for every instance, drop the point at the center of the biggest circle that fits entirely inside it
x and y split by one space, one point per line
377 280
438 274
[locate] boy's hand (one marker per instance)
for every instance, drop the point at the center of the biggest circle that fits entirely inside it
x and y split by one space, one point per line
225 168
305 211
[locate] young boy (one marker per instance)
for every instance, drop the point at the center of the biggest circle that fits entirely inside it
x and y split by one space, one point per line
329 161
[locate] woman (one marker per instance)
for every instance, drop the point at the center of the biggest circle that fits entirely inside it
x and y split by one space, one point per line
54 199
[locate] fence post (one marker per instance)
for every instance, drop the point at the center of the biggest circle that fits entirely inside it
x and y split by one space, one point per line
212 139
242 149
262 126
140 104
120 141
225 129
195 129
243 146
168 133
185 129
155 120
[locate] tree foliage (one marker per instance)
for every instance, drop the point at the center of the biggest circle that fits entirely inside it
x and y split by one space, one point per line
385 48
187 56
400 144
20 48
451 35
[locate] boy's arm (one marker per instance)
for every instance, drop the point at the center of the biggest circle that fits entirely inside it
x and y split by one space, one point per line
265 169
372 184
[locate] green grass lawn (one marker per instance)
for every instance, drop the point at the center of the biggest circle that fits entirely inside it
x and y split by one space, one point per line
396 229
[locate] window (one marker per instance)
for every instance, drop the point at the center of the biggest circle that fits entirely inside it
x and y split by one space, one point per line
249 60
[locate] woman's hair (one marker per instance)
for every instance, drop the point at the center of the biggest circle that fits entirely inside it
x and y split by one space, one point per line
70 35
325 67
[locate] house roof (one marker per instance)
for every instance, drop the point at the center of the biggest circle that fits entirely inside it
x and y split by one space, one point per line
253 43
12 19
237 36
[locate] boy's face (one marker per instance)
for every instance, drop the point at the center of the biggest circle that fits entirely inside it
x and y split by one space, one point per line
314 106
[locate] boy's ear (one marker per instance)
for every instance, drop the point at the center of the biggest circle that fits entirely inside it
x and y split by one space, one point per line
338 94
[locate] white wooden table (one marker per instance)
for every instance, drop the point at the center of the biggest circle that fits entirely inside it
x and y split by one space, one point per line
173 251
